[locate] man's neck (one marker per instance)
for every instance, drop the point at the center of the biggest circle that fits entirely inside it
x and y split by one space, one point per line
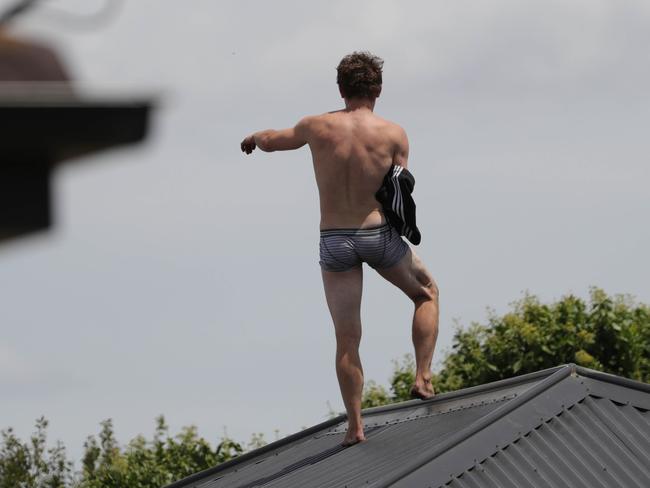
359 103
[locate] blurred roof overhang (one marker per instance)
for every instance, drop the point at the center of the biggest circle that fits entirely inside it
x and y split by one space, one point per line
45 120
45 124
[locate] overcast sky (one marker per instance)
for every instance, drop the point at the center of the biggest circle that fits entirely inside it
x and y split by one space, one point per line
182 277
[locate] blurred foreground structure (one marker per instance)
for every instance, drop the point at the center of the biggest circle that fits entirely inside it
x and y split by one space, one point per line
44 122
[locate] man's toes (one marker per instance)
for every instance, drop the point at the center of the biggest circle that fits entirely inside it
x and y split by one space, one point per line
353 440
421 394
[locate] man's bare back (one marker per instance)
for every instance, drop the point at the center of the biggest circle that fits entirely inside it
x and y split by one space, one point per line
352 150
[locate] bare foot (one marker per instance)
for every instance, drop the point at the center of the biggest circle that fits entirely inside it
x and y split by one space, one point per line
423 390
353 436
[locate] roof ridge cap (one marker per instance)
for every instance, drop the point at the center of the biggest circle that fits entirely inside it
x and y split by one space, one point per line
612 378
470 390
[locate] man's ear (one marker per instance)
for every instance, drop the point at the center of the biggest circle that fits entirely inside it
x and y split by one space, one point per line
378 92
341 91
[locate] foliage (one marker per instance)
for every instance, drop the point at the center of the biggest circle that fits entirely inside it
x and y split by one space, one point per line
375 395
606 333
152 464
257 441
141 464
32 464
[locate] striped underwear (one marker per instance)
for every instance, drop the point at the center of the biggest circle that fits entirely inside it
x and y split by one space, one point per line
344 249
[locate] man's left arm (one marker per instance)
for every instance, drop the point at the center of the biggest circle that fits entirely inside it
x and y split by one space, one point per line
278 140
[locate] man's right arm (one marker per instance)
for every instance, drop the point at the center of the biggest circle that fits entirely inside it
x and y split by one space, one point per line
278 140
401 155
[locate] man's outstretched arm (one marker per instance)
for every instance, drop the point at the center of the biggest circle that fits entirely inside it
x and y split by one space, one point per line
277 140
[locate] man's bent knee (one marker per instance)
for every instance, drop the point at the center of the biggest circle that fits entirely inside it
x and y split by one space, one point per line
428 291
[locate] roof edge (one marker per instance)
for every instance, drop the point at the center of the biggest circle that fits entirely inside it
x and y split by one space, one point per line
612 378
559 374
472 390
256 452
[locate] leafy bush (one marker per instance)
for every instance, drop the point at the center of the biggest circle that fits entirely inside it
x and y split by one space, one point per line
145 464
32 464
610 334
141 464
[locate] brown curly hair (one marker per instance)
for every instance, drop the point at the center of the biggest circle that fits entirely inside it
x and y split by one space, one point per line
359 75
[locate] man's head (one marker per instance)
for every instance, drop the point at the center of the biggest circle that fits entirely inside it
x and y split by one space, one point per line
359 75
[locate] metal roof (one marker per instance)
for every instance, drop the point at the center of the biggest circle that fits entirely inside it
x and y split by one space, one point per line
561 427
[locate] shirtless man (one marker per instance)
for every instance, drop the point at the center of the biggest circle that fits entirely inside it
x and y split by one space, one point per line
352 149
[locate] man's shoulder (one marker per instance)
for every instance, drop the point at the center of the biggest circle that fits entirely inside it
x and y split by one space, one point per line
316 118
309 120
392 126
398 133
316 122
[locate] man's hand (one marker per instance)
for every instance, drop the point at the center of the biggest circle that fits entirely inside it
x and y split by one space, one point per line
248 144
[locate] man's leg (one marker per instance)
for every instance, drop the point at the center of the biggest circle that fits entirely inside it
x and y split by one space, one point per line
411 276
343 294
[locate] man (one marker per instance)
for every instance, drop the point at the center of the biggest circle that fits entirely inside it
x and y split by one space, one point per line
352 149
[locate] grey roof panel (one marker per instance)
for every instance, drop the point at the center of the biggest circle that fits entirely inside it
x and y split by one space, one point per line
391 448
565 426
395 442
574 449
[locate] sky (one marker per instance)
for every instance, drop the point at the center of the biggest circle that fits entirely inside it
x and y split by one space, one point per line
182 278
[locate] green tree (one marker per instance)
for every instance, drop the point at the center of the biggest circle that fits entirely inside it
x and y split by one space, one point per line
149 464
375 395
140 464
606 333
32 464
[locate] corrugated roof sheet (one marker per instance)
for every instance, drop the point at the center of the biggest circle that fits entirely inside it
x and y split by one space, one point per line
566 426
595 443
